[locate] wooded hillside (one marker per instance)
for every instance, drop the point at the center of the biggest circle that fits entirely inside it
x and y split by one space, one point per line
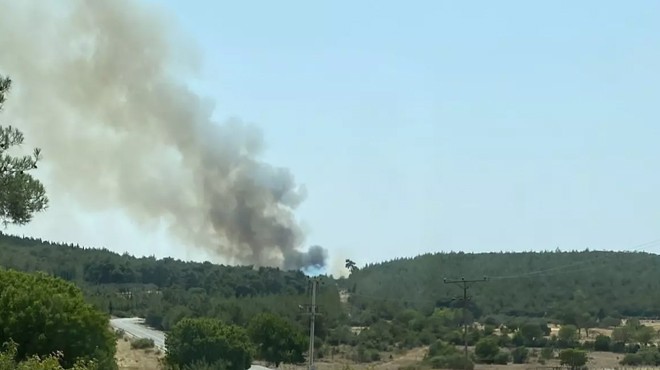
404 303
166 290
545 284
520 284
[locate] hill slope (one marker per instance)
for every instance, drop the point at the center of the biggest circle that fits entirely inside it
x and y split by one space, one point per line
545 284
165 290
520 284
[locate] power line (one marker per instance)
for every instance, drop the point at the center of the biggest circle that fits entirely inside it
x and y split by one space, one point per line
466 285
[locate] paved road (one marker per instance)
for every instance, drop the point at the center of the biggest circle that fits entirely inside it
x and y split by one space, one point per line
134 326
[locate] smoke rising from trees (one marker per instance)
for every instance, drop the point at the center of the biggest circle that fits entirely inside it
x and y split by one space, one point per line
98 87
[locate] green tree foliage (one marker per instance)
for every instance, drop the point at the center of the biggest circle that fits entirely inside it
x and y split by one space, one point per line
487 350
644 334
208 341
276 340
166 290
602 343
442 355
573 358
634 332
44 315
547 353
609 322
646 357
351 266
568 336
532 334
603 289
622 334
21 195
519 355
8 361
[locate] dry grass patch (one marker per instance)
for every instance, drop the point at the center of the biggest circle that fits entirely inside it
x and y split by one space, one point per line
137 359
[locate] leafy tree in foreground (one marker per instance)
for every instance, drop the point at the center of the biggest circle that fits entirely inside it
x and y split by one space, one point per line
8 362
276 340
21 195
44 315
208 341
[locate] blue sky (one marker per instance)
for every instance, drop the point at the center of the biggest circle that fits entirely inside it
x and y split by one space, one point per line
429 126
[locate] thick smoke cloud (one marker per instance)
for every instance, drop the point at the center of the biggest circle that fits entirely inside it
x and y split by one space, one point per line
98 88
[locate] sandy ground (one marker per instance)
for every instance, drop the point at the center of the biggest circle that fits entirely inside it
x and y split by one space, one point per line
130 359
597 360
136 359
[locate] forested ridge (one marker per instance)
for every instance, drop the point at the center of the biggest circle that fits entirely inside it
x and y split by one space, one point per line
529 284
167 290
536 284
404 303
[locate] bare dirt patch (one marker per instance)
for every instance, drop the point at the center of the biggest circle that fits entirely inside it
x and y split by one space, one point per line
137 359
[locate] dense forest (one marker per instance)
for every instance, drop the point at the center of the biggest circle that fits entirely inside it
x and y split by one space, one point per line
380 308
167 290
543 284
520 284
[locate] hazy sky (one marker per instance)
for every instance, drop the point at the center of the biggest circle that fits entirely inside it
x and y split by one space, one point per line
429 126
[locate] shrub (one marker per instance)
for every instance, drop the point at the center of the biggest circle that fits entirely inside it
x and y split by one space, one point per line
646 357
519 355
454 362
142 343
618 347
588 345
486 350
120 333
573 357
502 358
631 359
547 353
602 343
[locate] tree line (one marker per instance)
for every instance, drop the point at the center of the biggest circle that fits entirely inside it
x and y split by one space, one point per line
224 316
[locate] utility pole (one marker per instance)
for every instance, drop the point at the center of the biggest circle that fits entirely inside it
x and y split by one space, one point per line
312 311
466 285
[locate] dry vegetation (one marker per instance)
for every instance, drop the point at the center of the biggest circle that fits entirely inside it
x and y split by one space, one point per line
150 359
597 360
132 359
137 359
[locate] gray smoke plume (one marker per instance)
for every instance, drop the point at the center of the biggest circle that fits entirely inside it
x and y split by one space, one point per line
98 88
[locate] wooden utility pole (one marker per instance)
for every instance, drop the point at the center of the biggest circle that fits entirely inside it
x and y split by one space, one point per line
466 285
312 311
